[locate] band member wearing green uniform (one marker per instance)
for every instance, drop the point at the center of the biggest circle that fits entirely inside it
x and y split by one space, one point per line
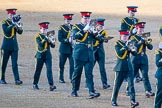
65 48
123 68
128 23
99 52
10 27
83 55
43 55
158 75
140 62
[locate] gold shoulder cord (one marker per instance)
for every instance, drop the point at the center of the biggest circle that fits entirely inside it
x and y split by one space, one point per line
157 52
102 33
84 37
131 26
45 46
125 53
68 35
12 32
141 46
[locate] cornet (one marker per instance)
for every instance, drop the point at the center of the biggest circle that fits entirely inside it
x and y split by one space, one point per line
50 37
146 37
131 46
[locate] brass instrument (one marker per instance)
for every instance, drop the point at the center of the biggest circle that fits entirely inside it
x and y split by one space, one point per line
50 37
93 22
131 46
146 37
107 39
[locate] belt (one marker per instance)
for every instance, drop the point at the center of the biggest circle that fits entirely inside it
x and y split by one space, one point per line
88 45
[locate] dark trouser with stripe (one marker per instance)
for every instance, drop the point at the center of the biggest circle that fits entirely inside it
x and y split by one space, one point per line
62 61
76 78
5 54
158 96
119 77
144 71
38 70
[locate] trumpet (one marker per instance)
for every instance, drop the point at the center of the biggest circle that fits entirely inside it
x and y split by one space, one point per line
146 37
50 37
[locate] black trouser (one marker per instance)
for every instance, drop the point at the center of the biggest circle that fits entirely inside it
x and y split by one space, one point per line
38 70
5 55
158 96
119 77
101 62
62 61
76 78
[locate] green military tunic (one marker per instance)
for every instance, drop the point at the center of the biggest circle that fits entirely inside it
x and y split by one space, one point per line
140 62
65 50
83 57
128 23
123 69
99 54
10 47
158 75
43 55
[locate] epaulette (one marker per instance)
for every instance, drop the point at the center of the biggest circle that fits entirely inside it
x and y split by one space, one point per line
156 52
116 43
132 37
160 27
76 27
4 22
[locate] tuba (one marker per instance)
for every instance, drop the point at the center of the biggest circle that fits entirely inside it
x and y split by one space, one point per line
50 37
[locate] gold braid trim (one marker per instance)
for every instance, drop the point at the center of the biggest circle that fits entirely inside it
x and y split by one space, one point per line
12 31
141 46
84 37
45 46
131 26
125 53
102 33
68 35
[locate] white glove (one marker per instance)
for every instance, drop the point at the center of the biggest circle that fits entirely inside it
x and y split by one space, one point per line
128 42
134 31
93 29
70 39
18 24
13 22
144 38
87 27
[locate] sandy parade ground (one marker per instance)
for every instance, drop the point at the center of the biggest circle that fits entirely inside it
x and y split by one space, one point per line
35 11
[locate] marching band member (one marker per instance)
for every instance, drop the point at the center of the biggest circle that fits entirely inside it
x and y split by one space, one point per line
99 52
128 23
123 68
158 75
10 27
43 55
65 48
83 56
140 62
